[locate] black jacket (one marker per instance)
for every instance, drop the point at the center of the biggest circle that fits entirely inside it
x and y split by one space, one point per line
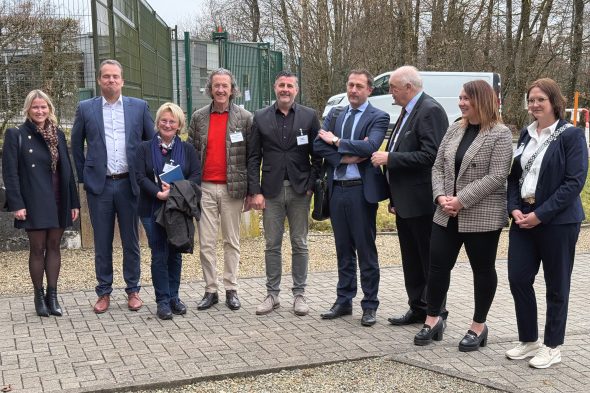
28 179
277 156
176 215
410 163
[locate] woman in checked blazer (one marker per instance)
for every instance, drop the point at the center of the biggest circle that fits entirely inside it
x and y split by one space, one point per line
469 189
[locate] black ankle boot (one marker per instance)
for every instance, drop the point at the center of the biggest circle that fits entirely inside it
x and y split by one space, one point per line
40 305
52 304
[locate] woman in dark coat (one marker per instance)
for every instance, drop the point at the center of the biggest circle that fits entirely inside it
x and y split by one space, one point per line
153 156
41 192
548 174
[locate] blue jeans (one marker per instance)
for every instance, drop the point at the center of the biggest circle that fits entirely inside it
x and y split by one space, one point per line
166 262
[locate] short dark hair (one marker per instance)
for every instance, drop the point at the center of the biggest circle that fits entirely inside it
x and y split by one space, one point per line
551 88
110 62
362 71
287 74
235 91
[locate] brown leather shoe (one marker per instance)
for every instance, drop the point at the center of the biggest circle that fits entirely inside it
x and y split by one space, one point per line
134 302
102 304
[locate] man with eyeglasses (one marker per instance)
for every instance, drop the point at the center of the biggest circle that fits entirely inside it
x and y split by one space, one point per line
220 133
282 142
112 126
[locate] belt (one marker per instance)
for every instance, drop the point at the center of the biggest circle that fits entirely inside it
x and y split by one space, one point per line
117 176
529 200
348 183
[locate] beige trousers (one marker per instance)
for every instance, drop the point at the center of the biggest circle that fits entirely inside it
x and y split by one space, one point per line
217 207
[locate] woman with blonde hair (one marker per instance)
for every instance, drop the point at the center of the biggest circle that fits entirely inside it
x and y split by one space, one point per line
41 192
469 190
166 149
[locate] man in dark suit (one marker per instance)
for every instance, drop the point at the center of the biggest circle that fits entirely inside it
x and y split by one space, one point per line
112 127
409 157
355 189
281 140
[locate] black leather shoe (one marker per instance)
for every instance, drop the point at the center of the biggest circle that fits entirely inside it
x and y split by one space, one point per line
177 307
472 342
164 311
410 317
208 300
52 303
231 300
337 311
40 305
428 333
369 317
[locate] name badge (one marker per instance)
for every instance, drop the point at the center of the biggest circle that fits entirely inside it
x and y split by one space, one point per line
519 150
236 137
302 138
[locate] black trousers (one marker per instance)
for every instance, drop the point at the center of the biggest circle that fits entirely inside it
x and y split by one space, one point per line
555 245
414 242
481 248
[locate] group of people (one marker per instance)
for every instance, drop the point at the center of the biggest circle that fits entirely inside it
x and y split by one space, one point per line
447 186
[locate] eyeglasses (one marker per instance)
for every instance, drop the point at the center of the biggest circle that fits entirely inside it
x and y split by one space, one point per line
168 122
540 100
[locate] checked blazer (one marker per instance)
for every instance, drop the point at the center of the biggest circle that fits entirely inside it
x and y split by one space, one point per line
481 181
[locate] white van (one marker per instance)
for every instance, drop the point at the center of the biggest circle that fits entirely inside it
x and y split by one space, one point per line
442 86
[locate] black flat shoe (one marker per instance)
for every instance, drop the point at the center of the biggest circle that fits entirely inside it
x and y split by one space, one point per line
410 317
208 300
164 311
231 300
472 342
369 317
177 307
428 333
337 311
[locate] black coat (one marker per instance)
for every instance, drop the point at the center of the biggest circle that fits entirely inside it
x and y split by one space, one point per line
410 163
148 202
267 147
28 179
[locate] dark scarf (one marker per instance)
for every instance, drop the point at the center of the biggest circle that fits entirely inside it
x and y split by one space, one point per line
160 152
49 133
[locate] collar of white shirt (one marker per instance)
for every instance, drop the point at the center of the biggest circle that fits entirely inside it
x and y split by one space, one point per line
532 130
118 102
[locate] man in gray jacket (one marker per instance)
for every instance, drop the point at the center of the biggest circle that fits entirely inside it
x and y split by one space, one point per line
220 133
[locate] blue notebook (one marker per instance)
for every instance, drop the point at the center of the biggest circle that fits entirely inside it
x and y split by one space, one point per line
172 175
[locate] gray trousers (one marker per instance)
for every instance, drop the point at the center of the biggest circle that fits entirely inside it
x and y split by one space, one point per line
295 208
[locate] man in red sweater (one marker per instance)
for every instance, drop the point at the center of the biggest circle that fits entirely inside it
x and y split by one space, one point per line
220 133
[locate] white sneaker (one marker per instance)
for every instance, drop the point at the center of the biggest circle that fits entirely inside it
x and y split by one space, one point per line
300 306
545 357
523 350
268 304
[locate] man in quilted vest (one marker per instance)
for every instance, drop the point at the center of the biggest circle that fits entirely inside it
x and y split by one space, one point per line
220 133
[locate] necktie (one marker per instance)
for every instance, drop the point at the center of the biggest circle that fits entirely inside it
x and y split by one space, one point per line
346 134
396 130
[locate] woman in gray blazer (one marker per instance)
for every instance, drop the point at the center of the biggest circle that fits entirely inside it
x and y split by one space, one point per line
469 190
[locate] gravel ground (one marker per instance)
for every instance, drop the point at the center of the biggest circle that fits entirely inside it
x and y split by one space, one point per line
370 375
78 265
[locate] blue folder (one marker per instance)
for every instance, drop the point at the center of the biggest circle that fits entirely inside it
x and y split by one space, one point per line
172 175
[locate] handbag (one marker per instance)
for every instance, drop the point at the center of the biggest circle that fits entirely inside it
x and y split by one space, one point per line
3 198
321 198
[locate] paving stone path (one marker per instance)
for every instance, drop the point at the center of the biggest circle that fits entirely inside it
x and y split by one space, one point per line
85 352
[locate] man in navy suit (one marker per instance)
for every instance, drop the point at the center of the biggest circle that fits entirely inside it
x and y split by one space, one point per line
355 189
112 126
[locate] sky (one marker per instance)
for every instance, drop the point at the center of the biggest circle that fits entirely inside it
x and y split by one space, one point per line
175 11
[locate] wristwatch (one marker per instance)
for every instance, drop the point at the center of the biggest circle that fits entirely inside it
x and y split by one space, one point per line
335 140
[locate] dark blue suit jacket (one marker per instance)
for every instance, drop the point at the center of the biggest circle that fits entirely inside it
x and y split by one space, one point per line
373 125
562 177
89 126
